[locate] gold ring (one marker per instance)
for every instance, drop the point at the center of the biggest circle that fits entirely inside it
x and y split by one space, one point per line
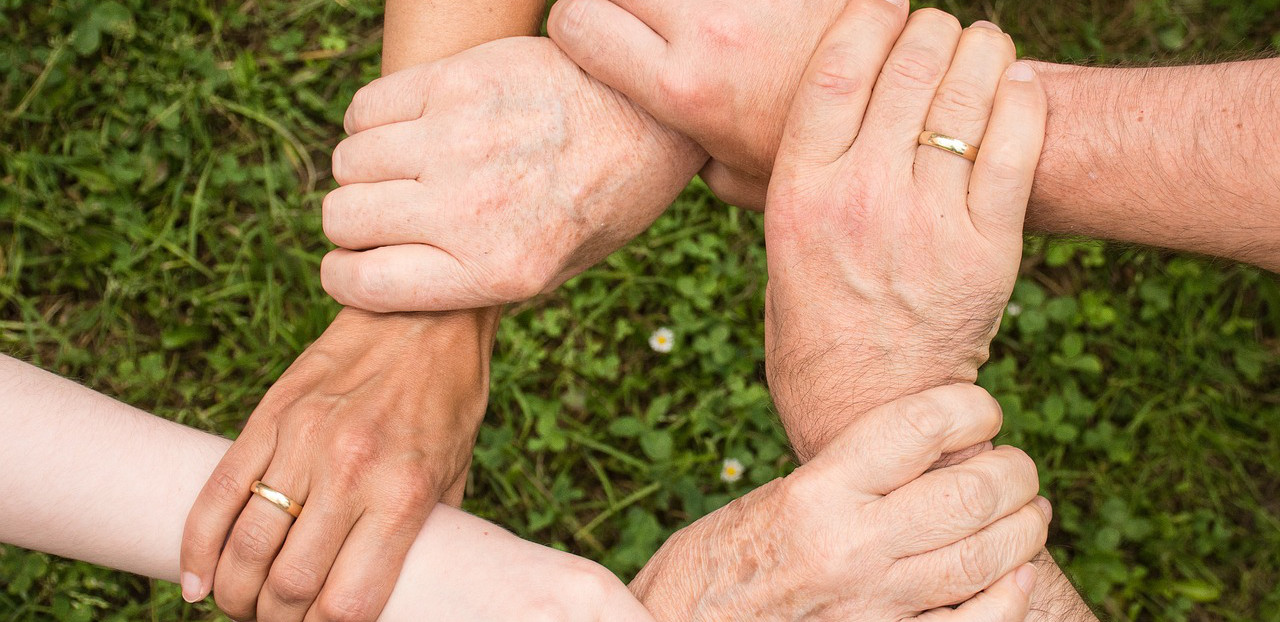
950 145
276 498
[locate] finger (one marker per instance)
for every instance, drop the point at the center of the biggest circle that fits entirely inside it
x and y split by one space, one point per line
401 96
410 277
827 112
614 46
366 570
963 105
219 504
301 568
906 87
255 539
734 187
361 216
383 153
1006 166
895 443
957 572
1009 600
947 506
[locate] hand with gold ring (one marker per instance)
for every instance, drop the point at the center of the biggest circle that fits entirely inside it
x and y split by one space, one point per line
907 163
311 512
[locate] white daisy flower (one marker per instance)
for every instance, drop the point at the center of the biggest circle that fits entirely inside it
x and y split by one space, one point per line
662 340
1014 309
731 471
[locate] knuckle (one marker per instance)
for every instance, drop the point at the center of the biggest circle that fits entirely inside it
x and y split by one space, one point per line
522 281
355 451
347 606
1021 466
570 16
991 38
914 67
937 18
370 279
333 217
925 418
976 404
252 542
724 29
236 608
1035 532
973 497
972 566
227 488
408 504
802 489
965 100
986 407
295 583
876 18
357 111
1004 168
835 73
340 163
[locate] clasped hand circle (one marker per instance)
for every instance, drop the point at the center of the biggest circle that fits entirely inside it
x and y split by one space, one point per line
499 173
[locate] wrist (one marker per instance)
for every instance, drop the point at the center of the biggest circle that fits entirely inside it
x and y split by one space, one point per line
446 355
473 329
820 388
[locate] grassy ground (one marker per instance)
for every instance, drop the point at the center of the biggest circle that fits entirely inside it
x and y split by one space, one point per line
161 166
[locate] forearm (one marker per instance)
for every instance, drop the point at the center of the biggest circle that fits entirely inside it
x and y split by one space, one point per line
420 31
1055 599
90 478
1179 157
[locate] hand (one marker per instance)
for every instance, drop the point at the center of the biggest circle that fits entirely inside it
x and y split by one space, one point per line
864 533
367 430
890 263
490 177
723 72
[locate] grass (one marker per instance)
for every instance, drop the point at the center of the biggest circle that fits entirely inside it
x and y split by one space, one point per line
161 167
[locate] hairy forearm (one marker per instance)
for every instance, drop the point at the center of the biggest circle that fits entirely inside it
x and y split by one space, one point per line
1178 157
1055 599
90 478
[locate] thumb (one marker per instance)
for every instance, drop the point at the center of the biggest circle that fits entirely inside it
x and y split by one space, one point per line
612 45
1008 600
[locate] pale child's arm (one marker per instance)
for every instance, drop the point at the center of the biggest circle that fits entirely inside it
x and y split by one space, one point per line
93 479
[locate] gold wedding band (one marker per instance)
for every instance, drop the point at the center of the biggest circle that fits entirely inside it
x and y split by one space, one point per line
276 498
950 145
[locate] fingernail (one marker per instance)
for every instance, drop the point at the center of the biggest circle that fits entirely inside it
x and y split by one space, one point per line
982 23
1045 507
1025 577
895 2
192 587
1020 72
